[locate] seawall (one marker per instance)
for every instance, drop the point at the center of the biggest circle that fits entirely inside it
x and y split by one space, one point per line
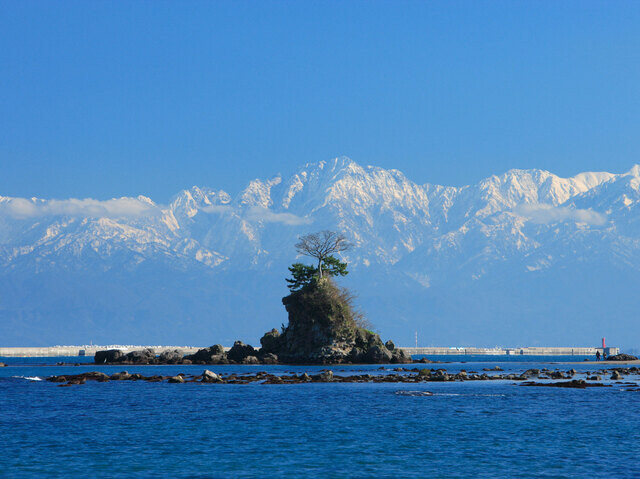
90 350
528 351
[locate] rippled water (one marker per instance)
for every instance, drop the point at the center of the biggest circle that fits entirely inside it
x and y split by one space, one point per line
465 429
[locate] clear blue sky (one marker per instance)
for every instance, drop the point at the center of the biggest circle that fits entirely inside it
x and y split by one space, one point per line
103 99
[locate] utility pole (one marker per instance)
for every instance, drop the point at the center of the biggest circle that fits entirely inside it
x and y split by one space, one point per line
416 339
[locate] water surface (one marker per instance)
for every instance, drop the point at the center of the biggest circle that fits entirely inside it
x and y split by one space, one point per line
466 429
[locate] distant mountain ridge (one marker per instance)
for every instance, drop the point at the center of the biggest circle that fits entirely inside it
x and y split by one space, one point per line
475 265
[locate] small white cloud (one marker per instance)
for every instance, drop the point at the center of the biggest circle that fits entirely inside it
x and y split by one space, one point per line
544 214
119 207
258 213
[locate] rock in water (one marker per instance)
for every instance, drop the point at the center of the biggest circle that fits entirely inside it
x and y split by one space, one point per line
171 357
622 357
240 351
322 330
377 354
251 360
270 358
210 377
213 355
108 356
270 342
616 376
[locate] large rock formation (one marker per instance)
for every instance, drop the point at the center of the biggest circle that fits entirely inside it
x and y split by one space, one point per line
322 329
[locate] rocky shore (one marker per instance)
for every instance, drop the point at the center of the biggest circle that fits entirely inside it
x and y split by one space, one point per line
565 379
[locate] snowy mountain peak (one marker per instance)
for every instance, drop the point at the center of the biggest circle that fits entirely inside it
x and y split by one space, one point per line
420 248
634 171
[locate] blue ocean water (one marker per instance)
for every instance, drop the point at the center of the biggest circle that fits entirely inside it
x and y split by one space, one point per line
466 429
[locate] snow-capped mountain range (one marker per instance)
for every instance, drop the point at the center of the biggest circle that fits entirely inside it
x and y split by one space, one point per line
523 258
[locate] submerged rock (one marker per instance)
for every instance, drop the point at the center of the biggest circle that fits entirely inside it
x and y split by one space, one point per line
574 383
616 376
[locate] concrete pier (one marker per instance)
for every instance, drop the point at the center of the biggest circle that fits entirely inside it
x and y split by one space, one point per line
528 351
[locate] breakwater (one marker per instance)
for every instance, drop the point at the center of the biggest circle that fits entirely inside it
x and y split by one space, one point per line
90 350
526 351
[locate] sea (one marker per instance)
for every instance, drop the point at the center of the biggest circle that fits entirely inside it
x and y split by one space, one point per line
483 429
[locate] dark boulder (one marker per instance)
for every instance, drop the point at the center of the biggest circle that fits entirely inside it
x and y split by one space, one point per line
622 357
144 356
270 358
250 360
324 376
210 377
398 356
390 345
108 356
270 342
424 361
379 355
217 349
171 357
212 355
57 379
219 359
574 383
239 351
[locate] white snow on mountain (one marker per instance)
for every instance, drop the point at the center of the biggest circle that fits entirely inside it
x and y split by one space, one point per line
387 216
520 223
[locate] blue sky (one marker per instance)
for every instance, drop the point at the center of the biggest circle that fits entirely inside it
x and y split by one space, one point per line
104 99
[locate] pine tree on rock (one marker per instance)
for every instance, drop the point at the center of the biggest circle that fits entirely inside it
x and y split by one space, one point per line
322 245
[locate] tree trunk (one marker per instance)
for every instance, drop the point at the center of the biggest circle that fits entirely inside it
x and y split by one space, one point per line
320 268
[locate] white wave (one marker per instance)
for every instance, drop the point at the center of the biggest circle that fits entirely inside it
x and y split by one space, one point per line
414 393
28 378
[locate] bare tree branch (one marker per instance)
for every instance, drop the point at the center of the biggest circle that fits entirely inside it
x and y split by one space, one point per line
322 244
